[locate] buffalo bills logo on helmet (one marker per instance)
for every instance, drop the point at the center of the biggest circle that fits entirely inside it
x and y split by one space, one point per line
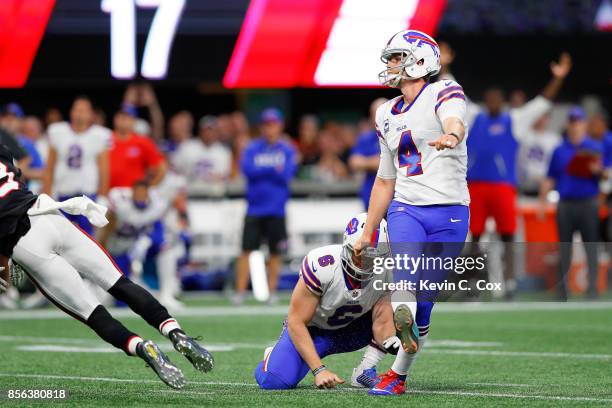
414 37
352 226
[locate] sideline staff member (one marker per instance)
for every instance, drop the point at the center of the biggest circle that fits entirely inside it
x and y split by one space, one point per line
574 170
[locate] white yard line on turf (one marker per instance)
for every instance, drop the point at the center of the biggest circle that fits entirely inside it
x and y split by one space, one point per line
98 344
282 310
503 395
504 385
521 354
51 348
342 389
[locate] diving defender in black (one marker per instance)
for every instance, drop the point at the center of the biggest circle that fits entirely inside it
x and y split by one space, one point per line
15 201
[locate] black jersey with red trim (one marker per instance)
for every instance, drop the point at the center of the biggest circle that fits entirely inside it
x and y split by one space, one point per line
15 201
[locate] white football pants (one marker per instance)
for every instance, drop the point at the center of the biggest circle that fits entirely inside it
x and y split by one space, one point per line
57 255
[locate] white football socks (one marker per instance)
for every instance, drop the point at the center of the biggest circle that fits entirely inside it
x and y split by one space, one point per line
167 326
132 343
403 361
371 358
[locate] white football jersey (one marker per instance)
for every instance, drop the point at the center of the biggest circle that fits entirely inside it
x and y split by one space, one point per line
76 168
197 161
424 176
340 303
132 221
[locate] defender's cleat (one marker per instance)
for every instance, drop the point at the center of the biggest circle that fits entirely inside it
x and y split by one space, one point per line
159 362
197 355
407 330
390 383
366 378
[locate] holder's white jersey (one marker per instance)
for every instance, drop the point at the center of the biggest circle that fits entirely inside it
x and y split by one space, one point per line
76 168
424 176
132 221
340 303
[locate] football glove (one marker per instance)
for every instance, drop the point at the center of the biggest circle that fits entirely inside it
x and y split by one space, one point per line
15 273
392 345
3 283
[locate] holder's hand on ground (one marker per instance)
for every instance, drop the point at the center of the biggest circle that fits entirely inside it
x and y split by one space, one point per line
327 379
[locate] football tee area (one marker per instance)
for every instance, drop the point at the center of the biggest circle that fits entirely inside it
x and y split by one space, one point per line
478 354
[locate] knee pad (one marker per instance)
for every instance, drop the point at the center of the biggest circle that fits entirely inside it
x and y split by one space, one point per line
268 380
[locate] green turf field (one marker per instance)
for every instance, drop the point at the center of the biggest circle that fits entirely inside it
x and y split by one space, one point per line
485 355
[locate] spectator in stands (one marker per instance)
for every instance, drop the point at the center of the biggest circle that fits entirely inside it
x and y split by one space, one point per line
12 116
447 56
347 136
598 129
52 115
133 157
517 98
29 135
204 159
99 116
493 144
18 152
269 164
12 120
180 128
575 170
142 95
308 148
32 129
365 155
535 152
330 168
242 136
226 129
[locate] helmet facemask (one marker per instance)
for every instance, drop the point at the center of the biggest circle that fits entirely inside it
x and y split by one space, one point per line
361 268
393 79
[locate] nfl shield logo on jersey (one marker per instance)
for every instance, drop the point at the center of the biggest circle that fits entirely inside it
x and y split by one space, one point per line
386 126
355 293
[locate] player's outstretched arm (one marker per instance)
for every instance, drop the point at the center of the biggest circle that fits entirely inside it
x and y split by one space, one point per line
301 310
454 132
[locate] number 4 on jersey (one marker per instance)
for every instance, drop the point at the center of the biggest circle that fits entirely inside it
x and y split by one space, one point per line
408 155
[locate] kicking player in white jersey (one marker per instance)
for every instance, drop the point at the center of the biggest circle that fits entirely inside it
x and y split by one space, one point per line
421 183
78 161
338 305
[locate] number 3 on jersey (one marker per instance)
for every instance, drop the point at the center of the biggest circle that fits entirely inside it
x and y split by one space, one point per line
408 155
10 184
